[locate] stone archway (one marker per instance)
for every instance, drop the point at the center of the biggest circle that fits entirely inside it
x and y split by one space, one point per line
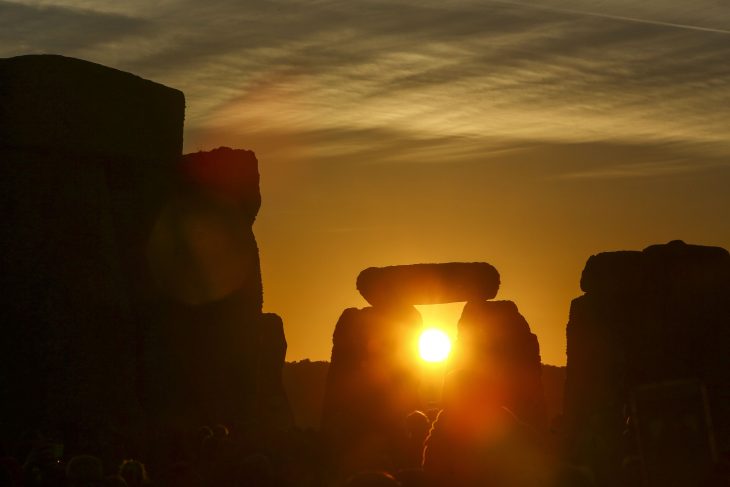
372 383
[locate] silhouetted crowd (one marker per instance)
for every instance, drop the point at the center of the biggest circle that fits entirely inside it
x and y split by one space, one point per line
215 456
473 441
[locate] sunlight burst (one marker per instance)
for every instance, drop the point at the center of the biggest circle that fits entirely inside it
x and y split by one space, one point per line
434 345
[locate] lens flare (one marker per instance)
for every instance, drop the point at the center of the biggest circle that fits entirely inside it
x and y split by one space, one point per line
434 345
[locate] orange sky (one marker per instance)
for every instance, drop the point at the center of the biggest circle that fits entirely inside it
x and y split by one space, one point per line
528 212
536 211
529 135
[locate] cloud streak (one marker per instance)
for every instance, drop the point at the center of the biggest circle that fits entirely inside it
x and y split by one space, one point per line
47 28
551 71
621 18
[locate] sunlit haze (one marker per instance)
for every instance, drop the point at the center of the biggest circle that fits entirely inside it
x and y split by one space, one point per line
529 135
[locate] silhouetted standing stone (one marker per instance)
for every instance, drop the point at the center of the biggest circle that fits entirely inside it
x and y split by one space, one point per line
273 404
489 431
227 175
647 317
494 338
128 274
202 247
428 283
85 155
71 106
372 386
227 355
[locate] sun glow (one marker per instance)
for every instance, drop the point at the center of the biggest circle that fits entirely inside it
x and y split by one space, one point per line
434 345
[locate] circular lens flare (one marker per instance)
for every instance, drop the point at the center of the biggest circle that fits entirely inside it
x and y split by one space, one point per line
434 345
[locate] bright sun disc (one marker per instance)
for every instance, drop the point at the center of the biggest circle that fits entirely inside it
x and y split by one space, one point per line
434 345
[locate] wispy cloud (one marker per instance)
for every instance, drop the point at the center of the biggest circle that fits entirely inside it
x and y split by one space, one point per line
551 70
43 28
621 18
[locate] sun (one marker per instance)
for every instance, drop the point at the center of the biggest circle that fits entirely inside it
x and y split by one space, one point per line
434 345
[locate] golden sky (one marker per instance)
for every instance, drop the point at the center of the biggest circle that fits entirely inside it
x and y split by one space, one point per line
529 135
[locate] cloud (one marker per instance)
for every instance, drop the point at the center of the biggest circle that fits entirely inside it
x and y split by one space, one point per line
28 29
621 18
553 71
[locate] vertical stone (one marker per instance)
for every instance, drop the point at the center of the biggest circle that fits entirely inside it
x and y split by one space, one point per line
85 153
494 337
273 405
372 385
647 317
227 358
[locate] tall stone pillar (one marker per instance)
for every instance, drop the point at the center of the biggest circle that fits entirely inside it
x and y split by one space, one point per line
495 339
647 318
210 337
86 153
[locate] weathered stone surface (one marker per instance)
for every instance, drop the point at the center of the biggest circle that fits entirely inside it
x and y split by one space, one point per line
70 105
271 349
217 363
494 337
85 153
202 247
228 175
633 272
612 272
372 385
428 283
227 356
670 321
